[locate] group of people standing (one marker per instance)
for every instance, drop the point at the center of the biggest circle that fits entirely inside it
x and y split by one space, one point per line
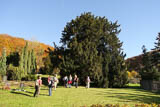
68 81
53 81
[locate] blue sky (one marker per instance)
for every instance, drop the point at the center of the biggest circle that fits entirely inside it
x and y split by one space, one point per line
44 20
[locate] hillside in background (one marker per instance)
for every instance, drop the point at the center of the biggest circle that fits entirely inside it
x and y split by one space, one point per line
14 44
134 63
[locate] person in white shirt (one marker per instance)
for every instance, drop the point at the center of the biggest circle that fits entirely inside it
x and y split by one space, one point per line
55 82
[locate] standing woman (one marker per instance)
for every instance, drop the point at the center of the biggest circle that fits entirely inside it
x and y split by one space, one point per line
49 78
88 82
70 81
76 81
55 82
38 84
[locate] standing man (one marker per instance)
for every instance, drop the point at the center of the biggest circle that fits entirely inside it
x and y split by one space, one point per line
65 79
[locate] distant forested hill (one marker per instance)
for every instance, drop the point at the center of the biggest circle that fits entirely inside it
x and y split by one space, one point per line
14 44
135 63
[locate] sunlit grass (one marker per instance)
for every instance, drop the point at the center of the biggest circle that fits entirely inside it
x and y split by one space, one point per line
72 97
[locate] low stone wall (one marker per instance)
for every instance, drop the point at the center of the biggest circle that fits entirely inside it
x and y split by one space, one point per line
150 85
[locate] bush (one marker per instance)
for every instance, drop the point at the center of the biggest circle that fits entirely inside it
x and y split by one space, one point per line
13 73
133 77
30 77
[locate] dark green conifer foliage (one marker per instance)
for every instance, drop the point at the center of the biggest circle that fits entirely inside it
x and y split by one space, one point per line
149 70
156 52
21 63
90 46
151 62
29 63
33 62
26 58
13 58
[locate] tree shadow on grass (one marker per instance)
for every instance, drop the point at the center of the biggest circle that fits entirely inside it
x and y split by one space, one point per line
138 95
44 89
20 93
140 98
25 93
133 87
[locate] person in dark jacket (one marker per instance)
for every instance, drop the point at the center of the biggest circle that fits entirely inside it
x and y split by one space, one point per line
50 86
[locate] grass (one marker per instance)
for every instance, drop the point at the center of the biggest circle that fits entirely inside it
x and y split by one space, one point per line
72 97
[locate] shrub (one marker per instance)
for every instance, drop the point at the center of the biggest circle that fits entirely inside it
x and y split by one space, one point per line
13 73
133 77
30 77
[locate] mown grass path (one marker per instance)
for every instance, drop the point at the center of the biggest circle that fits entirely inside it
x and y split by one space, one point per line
72 97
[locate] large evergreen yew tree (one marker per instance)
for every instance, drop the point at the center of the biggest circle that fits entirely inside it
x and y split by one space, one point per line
90 46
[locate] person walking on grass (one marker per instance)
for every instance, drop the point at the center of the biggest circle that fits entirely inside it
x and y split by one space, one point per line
76 81
88 82
38 84
70 81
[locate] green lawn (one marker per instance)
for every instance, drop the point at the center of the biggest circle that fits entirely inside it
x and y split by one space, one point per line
72 97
